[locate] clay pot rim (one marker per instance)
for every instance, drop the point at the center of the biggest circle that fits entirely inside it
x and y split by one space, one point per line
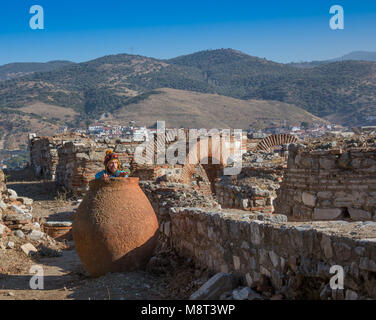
56 227
96 183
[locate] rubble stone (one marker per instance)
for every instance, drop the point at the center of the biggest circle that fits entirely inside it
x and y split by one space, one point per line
351 295
2 229
28 248
19 234
36 235
12 194
214 287
3 206
10 245
242 294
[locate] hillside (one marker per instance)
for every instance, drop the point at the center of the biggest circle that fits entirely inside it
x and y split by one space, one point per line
341 91
15 126
180 108
337 89
19 69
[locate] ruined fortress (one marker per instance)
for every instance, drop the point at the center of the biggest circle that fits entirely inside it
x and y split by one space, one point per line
287 217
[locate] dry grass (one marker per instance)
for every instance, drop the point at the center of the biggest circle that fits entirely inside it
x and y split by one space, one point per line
180 108
49 111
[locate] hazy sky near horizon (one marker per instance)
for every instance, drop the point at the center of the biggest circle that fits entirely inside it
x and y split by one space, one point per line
281 31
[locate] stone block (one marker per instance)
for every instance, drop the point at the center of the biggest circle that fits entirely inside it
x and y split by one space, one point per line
326 246
309 199
327 163
244 203
28 248
236 261
325 195
359 215
326 213
367 264
274 258
351 295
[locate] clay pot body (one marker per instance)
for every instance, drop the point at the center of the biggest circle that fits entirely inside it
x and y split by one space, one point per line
115 228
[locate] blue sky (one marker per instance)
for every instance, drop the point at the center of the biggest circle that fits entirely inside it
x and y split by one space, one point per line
280 30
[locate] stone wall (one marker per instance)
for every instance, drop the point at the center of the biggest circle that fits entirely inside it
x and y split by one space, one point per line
295 257
329 184
2 183
3 190
15 213
79 161
43 156
165 195
72 160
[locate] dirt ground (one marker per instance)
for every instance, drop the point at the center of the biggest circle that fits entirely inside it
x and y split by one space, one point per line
64 276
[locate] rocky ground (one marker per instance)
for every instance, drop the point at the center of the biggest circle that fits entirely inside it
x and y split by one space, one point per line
342 141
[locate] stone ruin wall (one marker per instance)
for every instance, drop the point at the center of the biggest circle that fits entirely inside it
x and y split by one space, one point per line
295 258
15 211
73 160
329 185
44 156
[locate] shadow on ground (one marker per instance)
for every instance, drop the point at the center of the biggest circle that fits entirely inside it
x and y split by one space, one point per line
36 190
65 278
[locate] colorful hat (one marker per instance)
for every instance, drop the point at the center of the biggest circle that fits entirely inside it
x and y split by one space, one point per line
111 156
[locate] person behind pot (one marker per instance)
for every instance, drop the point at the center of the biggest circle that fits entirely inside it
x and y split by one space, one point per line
112 167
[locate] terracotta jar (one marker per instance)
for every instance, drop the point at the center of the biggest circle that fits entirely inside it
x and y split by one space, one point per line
58 230
115 227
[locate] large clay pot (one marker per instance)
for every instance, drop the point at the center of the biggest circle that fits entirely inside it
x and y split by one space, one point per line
115 227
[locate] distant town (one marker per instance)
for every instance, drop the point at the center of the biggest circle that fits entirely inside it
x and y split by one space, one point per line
133 132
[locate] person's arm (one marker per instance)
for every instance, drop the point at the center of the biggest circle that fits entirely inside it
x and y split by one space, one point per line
101 175
98 175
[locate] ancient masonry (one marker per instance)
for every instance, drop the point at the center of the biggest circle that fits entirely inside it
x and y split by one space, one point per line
229 224
329 184
16 216
72 160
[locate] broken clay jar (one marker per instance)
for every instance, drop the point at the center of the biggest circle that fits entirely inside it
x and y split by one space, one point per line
115 228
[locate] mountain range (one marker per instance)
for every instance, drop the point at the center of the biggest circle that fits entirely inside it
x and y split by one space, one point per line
355 55
342 91
19 69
